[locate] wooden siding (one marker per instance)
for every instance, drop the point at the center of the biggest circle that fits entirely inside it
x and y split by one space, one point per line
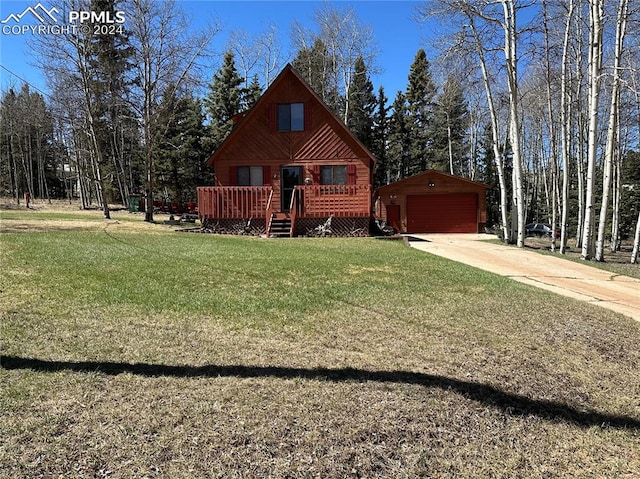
324 136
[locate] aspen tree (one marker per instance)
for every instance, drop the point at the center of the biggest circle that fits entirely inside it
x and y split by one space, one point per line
613 128
565 125
596 14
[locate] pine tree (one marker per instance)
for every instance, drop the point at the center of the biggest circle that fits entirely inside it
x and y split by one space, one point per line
630 200
379 139
8 127
223 101
420 94
179 166
362 103
399 139
251 94
447 131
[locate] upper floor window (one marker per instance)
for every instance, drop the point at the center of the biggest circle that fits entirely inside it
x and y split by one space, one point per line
291 117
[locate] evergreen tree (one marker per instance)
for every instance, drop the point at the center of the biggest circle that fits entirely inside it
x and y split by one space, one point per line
8 130
379 139
179 165
399 139
630 194
252 93
362 103
420 94
223 101
447 131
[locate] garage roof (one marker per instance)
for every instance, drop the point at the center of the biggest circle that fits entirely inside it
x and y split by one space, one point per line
431 176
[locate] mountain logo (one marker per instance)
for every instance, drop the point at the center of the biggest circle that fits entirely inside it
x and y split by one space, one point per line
39 11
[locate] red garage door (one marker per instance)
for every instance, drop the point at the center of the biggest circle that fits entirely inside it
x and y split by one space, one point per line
452 213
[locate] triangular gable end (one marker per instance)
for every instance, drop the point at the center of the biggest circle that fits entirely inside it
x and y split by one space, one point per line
263 103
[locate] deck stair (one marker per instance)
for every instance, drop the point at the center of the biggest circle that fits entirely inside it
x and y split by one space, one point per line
280 226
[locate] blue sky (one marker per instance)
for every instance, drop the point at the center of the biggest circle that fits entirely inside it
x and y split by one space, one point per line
397 36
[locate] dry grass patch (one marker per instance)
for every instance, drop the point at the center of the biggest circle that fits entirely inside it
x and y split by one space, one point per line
617 262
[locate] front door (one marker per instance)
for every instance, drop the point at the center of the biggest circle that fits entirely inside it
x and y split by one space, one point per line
290 177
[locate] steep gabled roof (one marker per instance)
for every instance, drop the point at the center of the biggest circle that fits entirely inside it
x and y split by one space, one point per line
244 118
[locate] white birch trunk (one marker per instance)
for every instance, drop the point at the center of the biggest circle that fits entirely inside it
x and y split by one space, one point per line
636 243
615 221
595 70
579 115
495 135
612 132
552 132
566 132
450 145
510 51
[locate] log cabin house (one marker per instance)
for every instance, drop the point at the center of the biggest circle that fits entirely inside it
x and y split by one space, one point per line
288 167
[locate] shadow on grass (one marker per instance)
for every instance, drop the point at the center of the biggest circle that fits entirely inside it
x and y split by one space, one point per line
510 403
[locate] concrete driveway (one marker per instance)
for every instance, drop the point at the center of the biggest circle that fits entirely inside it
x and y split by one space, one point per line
561 276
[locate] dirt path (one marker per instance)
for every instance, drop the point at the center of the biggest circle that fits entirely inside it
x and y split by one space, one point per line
580 281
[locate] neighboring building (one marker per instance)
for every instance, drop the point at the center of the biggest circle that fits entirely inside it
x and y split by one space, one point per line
434 202
289 165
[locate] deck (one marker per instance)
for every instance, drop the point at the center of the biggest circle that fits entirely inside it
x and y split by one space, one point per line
259 202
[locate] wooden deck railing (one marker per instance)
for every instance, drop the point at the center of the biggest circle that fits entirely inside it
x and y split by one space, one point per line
337 200
308 201
233 202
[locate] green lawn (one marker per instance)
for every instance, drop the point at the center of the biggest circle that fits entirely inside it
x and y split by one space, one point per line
130 350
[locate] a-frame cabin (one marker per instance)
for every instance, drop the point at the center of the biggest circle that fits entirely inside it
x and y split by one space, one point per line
289 165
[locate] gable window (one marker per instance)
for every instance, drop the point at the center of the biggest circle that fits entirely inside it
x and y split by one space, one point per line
333 175
250 176
291 117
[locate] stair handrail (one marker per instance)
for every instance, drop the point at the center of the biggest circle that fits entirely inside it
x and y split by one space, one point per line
269 213
293 207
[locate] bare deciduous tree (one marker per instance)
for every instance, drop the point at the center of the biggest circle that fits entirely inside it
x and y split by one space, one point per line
346 39
565 123
596 19
259 55
613 128
68 57
165 56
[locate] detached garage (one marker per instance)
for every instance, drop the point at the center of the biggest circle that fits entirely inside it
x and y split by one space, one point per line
434 202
